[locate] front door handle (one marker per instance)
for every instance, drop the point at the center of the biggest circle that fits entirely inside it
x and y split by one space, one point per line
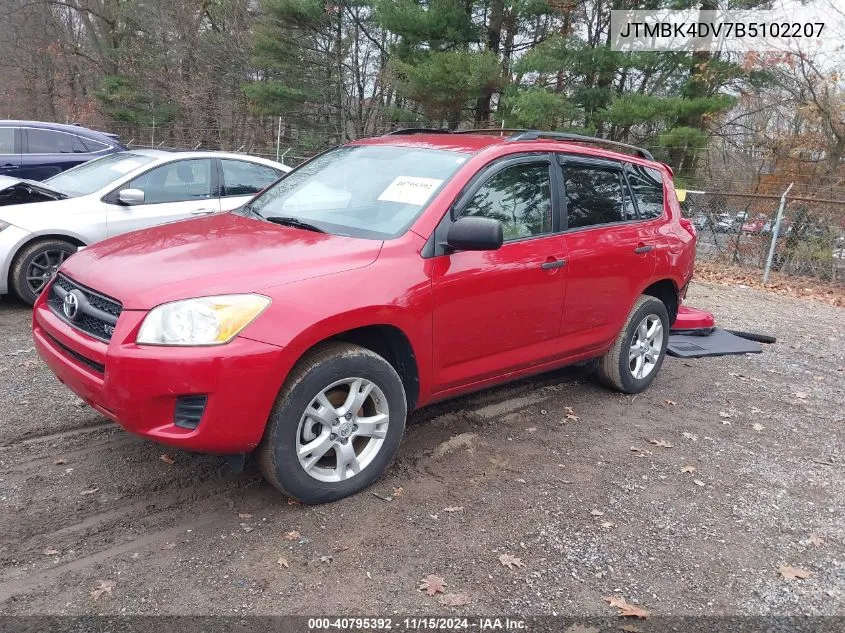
202 211
643 248
558 263
10 166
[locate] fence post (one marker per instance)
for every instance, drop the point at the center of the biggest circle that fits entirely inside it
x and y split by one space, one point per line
775 231
278 138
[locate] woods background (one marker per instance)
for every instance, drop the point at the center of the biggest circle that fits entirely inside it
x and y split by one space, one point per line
233 74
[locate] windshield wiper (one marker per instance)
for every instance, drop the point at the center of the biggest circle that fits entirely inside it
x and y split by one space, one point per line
294 222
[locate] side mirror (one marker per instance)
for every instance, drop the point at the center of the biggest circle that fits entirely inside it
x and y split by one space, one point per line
131 196
475 234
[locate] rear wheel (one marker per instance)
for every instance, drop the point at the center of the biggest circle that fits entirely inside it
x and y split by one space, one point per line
638 352
36 265
335 426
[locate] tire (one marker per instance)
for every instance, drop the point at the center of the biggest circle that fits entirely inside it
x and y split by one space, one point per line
43 256
332 370
615 367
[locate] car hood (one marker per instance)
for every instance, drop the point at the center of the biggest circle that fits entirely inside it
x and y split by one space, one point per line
9 182
219 254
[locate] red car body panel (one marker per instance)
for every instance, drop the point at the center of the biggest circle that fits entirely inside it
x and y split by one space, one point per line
472 319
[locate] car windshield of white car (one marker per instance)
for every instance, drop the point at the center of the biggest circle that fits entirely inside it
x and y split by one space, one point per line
96 174
369 191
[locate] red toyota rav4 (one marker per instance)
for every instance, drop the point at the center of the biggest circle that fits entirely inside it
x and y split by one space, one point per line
376 278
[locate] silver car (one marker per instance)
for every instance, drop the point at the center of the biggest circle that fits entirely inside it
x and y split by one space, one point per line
112 195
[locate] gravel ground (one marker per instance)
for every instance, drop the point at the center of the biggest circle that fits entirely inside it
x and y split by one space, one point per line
556 471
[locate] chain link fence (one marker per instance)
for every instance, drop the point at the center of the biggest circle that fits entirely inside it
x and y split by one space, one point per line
738 229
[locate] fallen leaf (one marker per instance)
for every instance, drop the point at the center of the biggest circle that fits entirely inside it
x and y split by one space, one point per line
293 535
244 515
326 559
398 491
725 414
608 524
167 459
691 436
50 552
757 426
247 528
433 585
626 610
688 469
580 628
105 586
800 395
698 482
510 561
568 410
662 443
454 509
283 562
59 462
726 422
570 416
671 403
816 540
454 599
596 513
794 573
90 491
293 502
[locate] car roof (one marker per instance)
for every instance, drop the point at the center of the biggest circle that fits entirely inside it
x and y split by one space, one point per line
79 130
164 155
475 143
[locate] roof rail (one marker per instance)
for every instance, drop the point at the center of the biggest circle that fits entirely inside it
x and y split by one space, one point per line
533 135
417 130
493 130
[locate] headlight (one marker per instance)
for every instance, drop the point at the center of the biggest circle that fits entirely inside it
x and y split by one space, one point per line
4 225
203 321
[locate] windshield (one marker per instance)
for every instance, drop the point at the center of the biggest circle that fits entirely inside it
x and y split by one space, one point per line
96 174
371 191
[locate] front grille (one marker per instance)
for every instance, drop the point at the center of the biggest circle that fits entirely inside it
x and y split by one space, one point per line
189 410
96 314
98 367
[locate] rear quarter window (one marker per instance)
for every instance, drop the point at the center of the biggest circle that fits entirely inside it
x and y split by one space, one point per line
647 188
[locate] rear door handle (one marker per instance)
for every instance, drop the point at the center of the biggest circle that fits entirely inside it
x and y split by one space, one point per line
558 263
645 248
202 211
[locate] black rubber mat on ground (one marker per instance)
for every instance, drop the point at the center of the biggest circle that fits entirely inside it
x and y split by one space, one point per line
717 343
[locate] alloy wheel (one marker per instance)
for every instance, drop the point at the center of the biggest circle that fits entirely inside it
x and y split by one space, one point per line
645 348
43 268
342 430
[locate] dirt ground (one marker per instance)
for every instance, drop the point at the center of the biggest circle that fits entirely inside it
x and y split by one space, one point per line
582 496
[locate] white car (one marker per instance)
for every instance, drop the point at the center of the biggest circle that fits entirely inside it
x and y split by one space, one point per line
114 194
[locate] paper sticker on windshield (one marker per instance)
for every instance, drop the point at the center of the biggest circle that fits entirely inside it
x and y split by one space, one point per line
125 166
410 190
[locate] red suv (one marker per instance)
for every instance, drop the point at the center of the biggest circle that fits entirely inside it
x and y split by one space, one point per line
376 278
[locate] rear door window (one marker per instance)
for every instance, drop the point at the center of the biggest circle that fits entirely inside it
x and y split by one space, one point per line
593 195
242 178
41 141
647 186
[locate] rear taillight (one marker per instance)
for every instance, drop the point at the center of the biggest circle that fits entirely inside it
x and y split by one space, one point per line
689 227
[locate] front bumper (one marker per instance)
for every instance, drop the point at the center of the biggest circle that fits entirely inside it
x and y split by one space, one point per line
138 386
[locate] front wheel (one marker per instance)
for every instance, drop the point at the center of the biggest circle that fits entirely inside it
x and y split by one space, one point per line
36 265
638 352
335 426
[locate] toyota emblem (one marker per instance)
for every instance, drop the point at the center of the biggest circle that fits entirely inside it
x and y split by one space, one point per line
70 306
